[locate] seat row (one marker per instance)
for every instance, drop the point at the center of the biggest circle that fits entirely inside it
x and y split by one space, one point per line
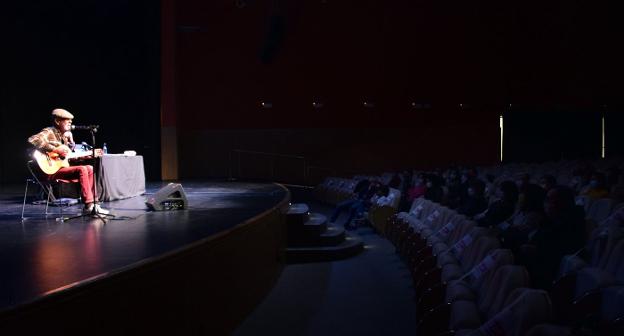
465 282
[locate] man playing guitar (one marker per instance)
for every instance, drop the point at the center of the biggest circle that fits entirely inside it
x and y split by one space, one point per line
56 143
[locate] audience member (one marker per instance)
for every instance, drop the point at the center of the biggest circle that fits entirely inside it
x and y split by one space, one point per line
547 182
475 202
405 202
581 176
466 177
502 208
563 232
382 197
453 196
418 189
596 188
528 218
395 181
434 191
363 191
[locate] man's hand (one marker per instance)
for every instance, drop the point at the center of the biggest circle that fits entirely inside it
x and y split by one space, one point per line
68 135
62 150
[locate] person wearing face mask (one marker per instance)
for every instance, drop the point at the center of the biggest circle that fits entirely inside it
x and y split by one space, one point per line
597 187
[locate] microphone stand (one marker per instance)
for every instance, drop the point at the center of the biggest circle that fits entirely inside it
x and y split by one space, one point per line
96 200
94 212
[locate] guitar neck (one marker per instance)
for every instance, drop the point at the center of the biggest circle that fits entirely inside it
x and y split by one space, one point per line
77 155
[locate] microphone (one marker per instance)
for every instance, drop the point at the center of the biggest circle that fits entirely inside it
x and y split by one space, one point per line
88 127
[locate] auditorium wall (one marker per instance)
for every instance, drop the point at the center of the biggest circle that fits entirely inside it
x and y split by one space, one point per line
378 85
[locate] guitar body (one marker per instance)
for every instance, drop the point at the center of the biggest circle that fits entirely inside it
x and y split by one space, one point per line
51 162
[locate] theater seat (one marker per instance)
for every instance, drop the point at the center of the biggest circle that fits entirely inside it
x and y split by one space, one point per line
470 314
490 301
599 210
523 309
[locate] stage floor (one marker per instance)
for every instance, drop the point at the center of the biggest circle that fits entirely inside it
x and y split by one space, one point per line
42 256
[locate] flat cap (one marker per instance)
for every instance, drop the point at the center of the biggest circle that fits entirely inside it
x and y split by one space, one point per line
61 113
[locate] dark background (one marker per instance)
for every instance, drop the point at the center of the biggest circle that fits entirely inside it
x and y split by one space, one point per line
97 59
557 63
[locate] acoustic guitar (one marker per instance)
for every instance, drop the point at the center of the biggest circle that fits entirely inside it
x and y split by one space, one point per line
51 162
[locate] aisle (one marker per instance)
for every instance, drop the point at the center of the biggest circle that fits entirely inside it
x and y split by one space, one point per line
370 294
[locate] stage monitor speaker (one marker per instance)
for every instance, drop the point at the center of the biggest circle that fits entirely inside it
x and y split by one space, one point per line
169 197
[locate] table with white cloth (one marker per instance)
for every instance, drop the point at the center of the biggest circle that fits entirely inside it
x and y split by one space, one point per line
120 176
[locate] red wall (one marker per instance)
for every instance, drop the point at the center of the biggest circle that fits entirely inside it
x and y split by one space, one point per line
342 53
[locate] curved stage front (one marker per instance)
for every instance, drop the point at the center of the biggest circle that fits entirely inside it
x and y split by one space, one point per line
194 271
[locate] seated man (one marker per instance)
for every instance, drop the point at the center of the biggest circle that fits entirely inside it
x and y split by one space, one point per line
58 140
357 203
561 233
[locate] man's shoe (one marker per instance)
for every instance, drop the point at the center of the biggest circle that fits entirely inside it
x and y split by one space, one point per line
88 209
100 210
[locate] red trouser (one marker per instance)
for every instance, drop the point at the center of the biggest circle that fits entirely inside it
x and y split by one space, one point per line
84 174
